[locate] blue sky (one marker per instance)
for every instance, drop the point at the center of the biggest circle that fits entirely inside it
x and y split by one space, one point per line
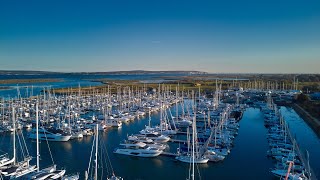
213 36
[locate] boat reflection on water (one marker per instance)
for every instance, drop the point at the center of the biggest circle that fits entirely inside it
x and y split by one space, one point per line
119 130
158 162
66 146
87 139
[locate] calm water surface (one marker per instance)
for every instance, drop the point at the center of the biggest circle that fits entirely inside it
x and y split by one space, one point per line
247 159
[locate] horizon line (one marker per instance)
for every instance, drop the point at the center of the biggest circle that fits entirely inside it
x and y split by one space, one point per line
190 71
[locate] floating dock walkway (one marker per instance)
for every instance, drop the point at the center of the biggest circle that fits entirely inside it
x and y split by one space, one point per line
178 141
169 154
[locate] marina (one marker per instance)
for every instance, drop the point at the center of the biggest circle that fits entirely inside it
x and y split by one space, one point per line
159 90
174 129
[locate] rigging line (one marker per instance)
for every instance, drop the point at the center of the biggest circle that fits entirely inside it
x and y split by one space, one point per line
2 142
189 168
101 161
108 157
104 160
48 145
22 151
173 121
198 171
166 120
25 145
91 155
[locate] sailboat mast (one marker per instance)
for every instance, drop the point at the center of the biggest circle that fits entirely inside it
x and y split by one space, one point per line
177 97
193 136
14 135
37 133
149 116
161 116
96 169
193 144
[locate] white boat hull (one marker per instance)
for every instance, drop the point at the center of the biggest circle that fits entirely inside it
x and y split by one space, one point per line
188 159
139 153
50 137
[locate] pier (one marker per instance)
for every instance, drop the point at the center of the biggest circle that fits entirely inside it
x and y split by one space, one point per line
276 121
182 132
178 141
303 159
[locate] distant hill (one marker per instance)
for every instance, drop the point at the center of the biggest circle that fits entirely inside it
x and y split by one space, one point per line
248 76
18 72
137 72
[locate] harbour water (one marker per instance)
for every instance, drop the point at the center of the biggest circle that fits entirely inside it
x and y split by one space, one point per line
247 159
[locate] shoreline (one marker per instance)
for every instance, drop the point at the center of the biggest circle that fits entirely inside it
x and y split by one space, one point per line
181 85
5 88
313 122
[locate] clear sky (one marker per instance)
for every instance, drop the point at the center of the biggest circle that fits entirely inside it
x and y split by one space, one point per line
273 36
